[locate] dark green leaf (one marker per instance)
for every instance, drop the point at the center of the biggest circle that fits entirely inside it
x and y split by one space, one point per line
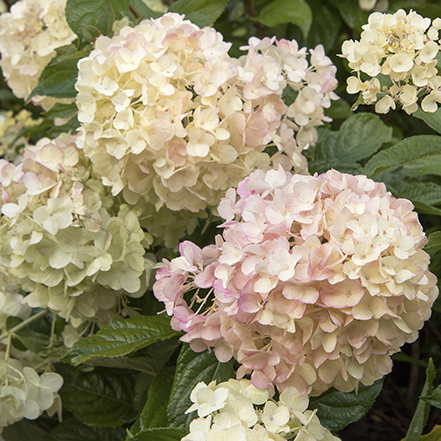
200 12
74 430
154 413
433 120
427 193
338 409
61 110
434 244
24 430
359 137
409 149
160 434
70 127
122 336
58 80
90 18
101 397
339 109
422 411
287 11
424 166
351 13
191 369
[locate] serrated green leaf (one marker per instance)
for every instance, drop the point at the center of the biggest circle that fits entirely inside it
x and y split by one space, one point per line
200 12
427 193
423 166
422 411
154 413
121 337
160 434
415 147
25 430
74 430
90 18
58 80
433 120
338 409
359 137
103 397
190 370
286 11
434 244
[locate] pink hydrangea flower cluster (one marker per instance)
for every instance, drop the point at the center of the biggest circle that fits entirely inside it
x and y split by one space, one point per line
64 239
316 281
169 117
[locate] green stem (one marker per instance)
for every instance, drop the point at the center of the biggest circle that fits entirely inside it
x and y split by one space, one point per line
23 324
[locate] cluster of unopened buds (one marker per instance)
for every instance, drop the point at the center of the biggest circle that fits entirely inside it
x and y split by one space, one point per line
402 47
229 411
316 281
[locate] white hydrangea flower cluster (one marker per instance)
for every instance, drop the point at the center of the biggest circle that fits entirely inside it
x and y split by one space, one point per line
227 412
403 47
24 393
11 148
29 35
64 238
169 117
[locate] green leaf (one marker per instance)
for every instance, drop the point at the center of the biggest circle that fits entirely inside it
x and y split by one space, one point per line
435 398
427 193
154 413
90 18
190 370
200 12
434 435
160 434
70 127
286 11
434 244
359 137
102 397
339 109
121 337
351 13
433 120
61 110
422 411
338 409
58 80
424 166
74 430
409 149
24 430
143 10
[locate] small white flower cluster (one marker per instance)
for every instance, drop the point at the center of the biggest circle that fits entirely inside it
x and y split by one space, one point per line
24 393
64 238
29 35
168 117
402 47
10 126
227 412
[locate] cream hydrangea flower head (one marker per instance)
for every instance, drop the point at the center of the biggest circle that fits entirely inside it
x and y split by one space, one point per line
236 418
29 35
65 240
402 47
316 281
24 393
168 117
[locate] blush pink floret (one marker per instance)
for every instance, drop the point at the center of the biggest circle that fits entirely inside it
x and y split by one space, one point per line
316 281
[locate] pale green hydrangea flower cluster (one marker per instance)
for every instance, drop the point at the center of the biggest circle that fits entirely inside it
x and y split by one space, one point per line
64 239
398 51
29 35
236 410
